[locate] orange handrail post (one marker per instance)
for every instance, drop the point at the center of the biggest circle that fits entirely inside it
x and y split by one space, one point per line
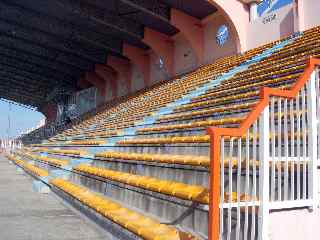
216 134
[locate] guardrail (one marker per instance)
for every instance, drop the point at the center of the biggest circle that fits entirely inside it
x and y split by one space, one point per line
269 162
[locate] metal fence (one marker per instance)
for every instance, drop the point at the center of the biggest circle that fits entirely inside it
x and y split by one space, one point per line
269 163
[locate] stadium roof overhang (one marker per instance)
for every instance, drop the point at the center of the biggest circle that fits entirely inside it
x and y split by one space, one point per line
49 45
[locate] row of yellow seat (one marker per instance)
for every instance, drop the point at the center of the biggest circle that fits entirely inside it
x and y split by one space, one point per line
144 227
179 190
235 93
193 124
161 158
191 139
191 160
37 171
48 160
221 110
65 151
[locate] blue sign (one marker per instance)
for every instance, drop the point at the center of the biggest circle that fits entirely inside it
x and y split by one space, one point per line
222 35
268 6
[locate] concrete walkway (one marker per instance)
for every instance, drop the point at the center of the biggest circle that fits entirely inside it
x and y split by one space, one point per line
26 215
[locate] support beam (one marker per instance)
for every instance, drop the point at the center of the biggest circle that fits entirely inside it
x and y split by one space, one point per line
192 29
20 92
101 17
19 95
154 8
29 58
140 58
43 51
13 84
27 74
17 78
19 99
163 47
44 72
97 81
74 47
109 75
123 69
59 28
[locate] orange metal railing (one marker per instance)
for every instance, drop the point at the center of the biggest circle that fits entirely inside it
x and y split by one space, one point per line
217 133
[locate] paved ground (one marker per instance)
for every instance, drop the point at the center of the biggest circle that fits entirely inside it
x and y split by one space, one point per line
26 215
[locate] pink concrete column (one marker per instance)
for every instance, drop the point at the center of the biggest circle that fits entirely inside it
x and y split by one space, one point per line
123 69
192 29
83 83
162 45
301 15
108 75
50 111
140 58
97 81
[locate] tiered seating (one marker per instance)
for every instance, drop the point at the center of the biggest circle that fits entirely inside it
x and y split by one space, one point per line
161 158
65 151
144 227
47 160
179 190
227 104
137 107
165 164
36 171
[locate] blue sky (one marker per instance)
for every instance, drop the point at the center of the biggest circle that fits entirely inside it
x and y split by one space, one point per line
21 119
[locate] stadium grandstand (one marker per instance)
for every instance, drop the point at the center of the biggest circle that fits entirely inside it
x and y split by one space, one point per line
164 119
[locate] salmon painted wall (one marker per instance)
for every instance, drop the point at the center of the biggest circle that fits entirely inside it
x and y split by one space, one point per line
184 57
137 79
102 99
121 86
212 50
157 71
108 92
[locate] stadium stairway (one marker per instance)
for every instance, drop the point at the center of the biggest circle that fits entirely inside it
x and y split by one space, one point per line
141 167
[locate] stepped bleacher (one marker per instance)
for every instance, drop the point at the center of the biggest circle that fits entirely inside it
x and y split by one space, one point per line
143 162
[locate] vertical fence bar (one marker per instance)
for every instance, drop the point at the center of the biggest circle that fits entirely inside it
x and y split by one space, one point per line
254 177
273 150
286 150
247 185
293 162
279 158
298 131
312 139
239 161
264 157
230 180
304 143
222 200
318 109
